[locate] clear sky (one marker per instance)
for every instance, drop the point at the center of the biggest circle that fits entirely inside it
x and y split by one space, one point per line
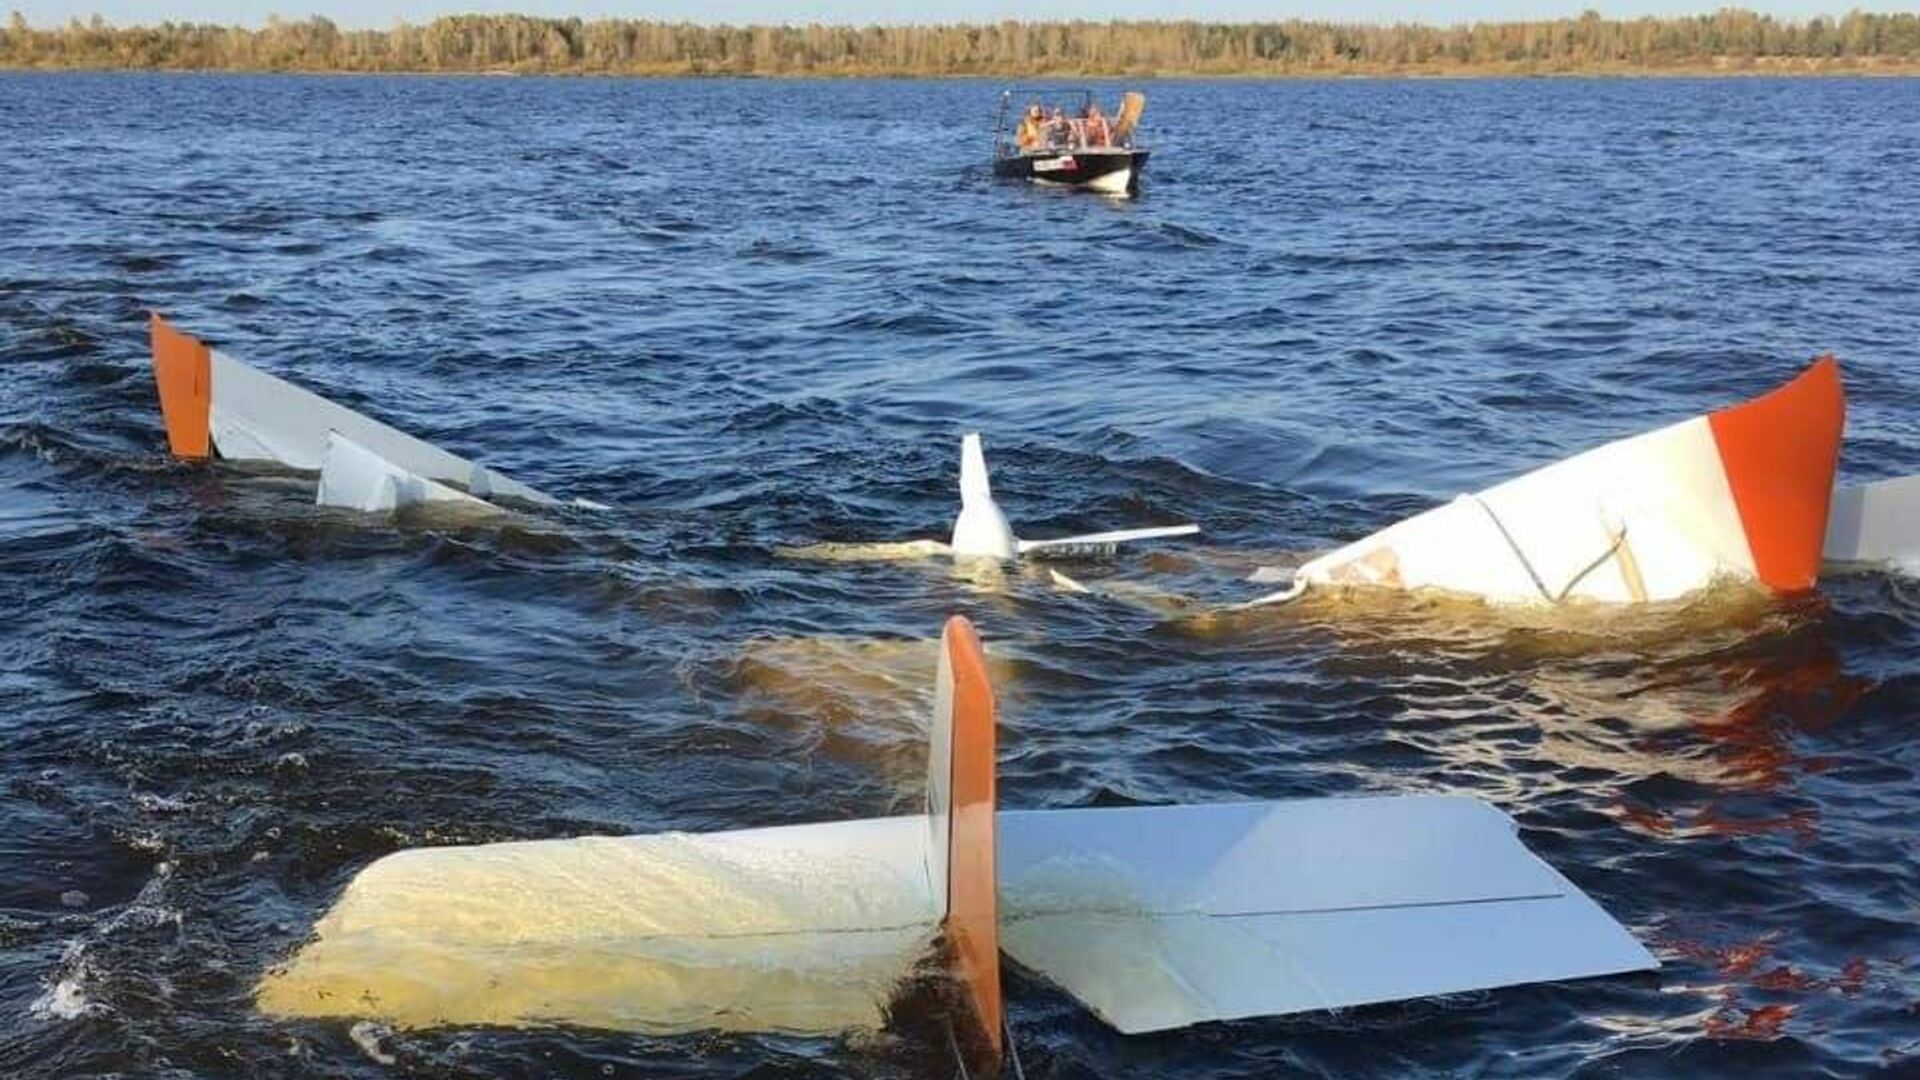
380 13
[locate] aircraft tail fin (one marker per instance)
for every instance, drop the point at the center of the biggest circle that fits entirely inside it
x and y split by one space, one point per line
960 797
973 470
182 369
981 530
1779 452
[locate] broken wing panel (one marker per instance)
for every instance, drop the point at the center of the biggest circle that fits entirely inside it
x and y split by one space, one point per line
1159 917
1645 518
804 928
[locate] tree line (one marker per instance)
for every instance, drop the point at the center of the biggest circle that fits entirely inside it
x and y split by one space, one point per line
1727 40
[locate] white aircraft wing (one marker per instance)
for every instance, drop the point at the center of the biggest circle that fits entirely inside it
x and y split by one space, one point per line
1160 917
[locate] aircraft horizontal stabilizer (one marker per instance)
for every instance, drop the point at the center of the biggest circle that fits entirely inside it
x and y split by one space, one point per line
1160 917
1106 539
1875 523
353 477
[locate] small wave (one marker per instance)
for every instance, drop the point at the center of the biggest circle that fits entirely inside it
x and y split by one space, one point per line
367 1035
142 264
66 998
778 252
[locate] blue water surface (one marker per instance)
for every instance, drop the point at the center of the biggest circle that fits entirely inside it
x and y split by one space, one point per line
752 314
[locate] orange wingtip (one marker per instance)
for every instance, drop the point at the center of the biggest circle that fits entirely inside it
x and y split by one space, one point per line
183 371
1779 452
972 881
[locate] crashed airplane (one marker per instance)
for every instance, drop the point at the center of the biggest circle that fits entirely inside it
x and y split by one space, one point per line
214 404
1154 917
982 531
1740 494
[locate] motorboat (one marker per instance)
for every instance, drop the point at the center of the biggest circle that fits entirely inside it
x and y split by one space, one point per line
1069 149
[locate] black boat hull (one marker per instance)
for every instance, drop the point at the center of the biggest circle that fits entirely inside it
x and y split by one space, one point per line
1111 171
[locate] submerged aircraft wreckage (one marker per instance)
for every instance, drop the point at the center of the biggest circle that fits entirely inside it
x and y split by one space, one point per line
1155 917
1742 494
215 404
1745 494
982 530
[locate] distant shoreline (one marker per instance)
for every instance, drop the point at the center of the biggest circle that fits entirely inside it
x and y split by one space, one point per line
1901 70
1728 43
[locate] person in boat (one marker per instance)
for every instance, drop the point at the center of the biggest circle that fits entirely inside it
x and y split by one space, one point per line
1094 129
1031 132
1059 128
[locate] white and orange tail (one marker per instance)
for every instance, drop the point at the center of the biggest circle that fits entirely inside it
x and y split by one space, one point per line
1741 493
961 814
213 403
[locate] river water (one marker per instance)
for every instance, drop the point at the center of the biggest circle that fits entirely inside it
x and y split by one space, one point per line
755 315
